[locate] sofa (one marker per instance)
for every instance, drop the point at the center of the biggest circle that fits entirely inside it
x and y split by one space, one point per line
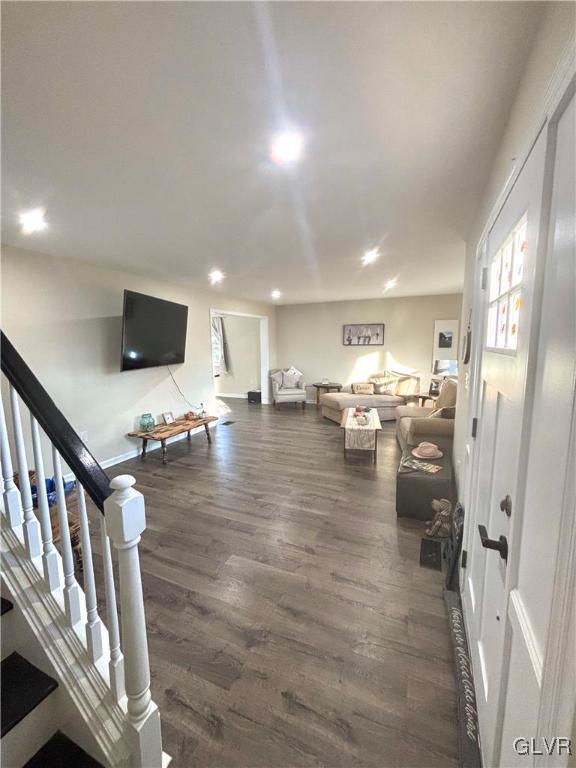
288 386
436 424
383 391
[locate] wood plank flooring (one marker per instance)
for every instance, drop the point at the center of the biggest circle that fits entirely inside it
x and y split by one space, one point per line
289 621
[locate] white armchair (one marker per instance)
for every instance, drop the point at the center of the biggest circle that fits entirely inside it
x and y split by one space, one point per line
288 386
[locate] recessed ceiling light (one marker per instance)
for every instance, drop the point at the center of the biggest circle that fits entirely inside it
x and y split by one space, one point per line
276 294
370 256
216 276
389 284
33 221
287 147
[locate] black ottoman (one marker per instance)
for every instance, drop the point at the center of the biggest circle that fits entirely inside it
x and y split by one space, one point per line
415 490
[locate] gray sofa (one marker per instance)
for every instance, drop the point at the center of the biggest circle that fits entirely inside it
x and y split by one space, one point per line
415 425
397 389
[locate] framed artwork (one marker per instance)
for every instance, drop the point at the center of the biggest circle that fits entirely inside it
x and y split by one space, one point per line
445 340
168 417
363 335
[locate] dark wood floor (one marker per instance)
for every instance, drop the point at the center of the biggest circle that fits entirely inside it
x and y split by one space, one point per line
289 621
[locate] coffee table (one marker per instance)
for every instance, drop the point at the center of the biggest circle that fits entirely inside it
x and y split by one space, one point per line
327 386
360 437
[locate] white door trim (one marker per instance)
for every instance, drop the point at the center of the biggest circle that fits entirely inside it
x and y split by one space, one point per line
264 347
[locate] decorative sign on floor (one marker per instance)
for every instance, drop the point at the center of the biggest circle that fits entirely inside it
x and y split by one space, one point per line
468 738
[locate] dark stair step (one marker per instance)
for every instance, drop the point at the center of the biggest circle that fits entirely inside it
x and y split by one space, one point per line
24 686
59 752
5 606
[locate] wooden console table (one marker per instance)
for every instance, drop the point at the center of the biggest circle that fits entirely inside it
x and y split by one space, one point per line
162 432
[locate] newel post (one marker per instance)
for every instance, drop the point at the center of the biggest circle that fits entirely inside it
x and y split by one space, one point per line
125 521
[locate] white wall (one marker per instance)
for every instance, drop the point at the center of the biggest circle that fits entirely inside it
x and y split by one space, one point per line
309 336
554 35
64 317
242 336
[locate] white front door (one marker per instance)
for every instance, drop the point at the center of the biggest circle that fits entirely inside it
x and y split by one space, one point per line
541 679
510 257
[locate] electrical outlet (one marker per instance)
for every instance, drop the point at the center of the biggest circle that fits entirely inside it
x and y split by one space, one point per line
84 436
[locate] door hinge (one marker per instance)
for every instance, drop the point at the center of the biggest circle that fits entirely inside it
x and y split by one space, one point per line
464 558
474 426
484 278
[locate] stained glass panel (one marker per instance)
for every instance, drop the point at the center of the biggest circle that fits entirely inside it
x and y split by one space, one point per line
492 320
506 276
495 277
513 318
520 248
502 323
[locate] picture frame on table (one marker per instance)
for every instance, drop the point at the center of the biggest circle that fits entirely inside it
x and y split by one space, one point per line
168 417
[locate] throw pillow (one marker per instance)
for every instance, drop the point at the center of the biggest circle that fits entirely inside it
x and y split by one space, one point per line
447 396
384 384
277 377
290 379
363 388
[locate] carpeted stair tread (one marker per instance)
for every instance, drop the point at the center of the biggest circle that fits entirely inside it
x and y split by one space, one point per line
59 751
24 686
5 606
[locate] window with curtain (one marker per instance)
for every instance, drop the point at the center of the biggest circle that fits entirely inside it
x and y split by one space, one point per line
219 352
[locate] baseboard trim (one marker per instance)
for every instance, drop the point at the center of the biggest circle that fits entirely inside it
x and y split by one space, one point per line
133 453
238 397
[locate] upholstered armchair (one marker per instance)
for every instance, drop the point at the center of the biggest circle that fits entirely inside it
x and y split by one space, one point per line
288 386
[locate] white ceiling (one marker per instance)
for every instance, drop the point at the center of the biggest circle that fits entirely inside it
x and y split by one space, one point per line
143 128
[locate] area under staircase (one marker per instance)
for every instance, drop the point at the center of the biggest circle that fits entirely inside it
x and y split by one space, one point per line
75 689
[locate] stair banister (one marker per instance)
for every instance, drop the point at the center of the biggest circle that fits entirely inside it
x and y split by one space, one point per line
49 553
30 525
11 494
93 623
125 521
61 433
116 705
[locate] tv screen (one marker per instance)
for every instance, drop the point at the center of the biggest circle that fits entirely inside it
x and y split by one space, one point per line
153 332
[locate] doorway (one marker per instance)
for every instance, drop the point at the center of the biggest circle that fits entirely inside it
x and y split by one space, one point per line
240 353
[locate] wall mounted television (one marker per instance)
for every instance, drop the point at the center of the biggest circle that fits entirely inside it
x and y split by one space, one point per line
153 332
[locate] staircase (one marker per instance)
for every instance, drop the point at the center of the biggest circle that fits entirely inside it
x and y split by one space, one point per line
75 689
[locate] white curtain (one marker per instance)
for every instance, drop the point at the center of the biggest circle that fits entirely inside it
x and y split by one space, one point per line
219 350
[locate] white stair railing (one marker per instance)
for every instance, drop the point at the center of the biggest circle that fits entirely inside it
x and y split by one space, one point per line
28 539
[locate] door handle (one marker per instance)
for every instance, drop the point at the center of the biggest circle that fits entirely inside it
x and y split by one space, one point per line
500 546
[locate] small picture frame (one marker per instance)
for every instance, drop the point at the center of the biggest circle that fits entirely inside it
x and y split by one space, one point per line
168 417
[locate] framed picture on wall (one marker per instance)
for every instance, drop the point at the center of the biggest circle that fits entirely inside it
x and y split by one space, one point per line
363 335
445 340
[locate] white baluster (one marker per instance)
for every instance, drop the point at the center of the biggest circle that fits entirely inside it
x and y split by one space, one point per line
71 588
49 554
93 623
31 527
116 657
125 521
11 494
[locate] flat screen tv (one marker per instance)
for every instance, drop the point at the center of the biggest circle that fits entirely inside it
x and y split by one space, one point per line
153 332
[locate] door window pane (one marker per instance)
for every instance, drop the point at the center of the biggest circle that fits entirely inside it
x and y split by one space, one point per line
505 296
513 317
495 277
502 323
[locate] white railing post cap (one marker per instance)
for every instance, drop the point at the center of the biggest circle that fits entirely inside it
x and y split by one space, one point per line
124 510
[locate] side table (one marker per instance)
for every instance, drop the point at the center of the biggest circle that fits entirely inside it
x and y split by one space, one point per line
327 386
